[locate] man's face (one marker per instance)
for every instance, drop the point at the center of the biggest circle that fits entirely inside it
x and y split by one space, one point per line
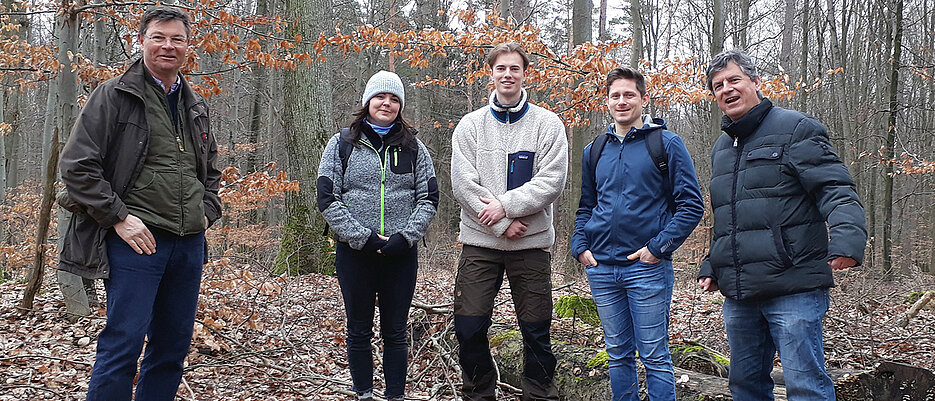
734 91
507 75
625 103
164 46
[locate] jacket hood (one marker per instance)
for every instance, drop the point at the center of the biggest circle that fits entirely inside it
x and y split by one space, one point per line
649 124
748 123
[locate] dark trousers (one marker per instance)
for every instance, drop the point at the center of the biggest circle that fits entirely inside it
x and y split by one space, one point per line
152 296
480 274
369 279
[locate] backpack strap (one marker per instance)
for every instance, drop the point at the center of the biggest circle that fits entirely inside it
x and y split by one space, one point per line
597 146
344 148
657 151
344 152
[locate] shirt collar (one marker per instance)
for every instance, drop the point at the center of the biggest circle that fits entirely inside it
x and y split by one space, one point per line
175 86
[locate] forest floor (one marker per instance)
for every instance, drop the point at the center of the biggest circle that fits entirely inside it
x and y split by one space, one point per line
263 337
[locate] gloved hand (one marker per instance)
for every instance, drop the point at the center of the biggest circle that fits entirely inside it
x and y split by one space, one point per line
396 246
374 243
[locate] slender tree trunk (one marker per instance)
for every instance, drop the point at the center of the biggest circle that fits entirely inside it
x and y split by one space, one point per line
891 144
506 9
636 20
3 160
308 125
8 114
717 45
602 24
742 36
802 103
785 52
839 84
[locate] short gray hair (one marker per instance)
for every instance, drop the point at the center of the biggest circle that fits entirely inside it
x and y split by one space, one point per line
721 61
165 13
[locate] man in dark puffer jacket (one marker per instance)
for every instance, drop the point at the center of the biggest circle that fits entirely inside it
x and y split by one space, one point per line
777 190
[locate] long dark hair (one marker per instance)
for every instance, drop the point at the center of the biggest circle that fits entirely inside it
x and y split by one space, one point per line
407 134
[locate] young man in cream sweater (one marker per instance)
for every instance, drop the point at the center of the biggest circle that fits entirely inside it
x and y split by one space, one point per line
508 165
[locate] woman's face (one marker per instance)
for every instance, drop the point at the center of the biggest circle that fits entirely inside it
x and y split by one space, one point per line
383 109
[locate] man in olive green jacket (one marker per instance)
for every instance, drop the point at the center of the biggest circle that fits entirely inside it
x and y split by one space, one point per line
139 171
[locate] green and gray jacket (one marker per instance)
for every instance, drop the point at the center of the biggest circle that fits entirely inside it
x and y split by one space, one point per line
385 189
104 157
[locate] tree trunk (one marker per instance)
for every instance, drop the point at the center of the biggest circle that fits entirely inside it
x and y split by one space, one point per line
506 9
802 103
785 52
308 124
890 149
717 45
578 137
62 115
602 24
636 22
839 85
741 36
3 159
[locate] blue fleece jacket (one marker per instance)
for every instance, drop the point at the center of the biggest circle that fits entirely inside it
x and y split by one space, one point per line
625 206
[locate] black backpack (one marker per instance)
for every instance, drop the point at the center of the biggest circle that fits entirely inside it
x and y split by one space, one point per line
656 149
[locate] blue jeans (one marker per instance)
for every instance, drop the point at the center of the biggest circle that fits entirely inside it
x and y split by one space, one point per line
790 324
633 303
152 296
370 280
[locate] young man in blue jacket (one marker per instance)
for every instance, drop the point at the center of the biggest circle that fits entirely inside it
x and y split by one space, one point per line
633 213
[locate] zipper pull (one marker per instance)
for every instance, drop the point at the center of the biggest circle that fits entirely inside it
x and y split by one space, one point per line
179 141
735 142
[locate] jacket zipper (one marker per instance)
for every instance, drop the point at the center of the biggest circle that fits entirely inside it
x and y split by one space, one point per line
733 214
384 162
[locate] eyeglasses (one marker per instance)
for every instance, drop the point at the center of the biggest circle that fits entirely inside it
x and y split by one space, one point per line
176 41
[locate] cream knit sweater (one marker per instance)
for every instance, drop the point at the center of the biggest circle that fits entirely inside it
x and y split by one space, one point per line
481 146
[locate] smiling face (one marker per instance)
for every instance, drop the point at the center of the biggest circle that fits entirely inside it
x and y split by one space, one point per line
626 104
734 91
383 109
507 75
164 60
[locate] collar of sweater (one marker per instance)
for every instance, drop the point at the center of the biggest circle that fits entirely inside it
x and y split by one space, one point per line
380 141
508 115
747 123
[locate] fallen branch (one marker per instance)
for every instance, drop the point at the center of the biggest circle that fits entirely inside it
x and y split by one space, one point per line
9 358
916 307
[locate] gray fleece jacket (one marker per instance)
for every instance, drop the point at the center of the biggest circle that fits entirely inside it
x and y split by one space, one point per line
518 156
386 189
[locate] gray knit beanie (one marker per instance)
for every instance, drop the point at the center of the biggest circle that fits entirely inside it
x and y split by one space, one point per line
384 82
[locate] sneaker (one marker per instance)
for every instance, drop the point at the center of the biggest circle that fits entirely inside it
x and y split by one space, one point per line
365 396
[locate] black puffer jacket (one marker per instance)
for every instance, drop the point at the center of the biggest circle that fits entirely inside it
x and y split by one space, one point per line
777 187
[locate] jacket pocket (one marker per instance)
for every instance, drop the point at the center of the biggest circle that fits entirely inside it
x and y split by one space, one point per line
83 252
401 161
780 245
519 169
763 167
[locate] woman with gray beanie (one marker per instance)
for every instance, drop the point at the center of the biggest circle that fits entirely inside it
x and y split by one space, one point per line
377 191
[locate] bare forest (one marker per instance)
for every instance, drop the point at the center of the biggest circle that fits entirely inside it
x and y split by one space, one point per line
283 76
